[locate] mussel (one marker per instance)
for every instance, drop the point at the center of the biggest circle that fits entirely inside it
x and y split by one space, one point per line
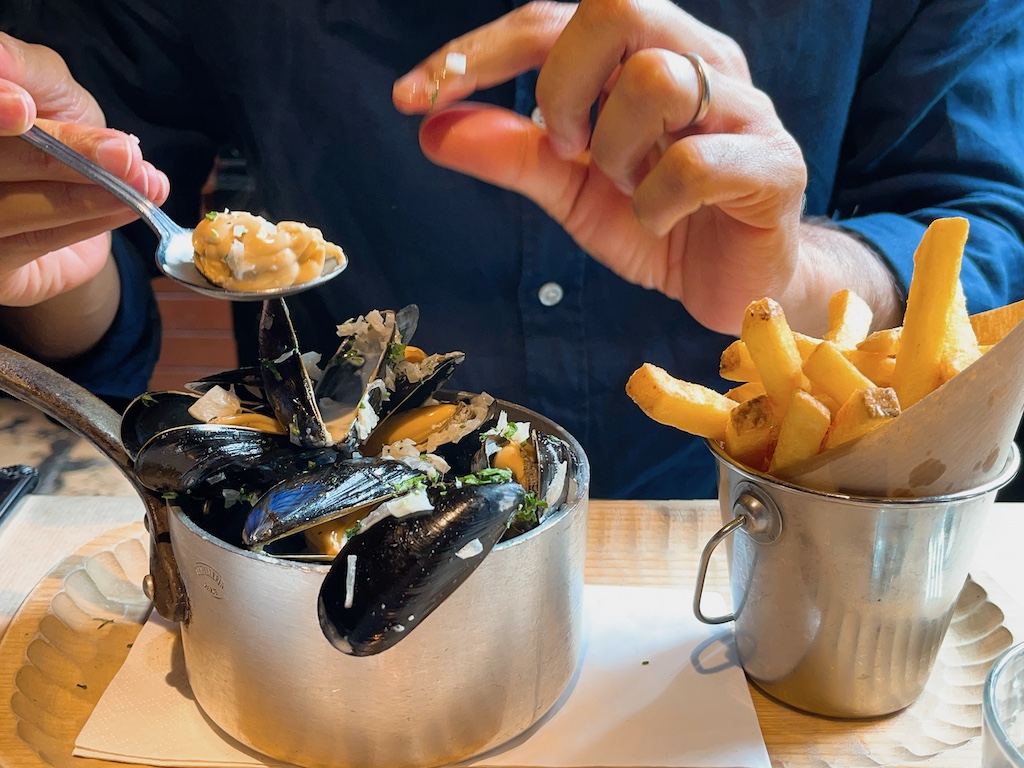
390 576
361 463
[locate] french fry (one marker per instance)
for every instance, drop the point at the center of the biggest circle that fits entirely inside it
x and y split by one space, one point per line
681 404
737 365
749 432
865 410
746 391
832 374
885 342
930 304
992 325
801 432
805 344
875 366
849 319
773 349
961 347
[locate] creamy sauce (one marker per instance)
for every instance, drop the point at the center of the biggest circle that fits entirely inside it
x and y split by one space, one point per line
244 252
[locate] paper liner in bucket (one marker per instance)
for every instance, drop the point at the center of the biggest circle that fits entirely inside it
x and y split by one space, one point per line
958 437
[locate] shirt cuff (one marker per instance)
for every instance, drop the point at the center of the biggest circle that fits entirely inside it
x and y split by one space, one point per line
119 367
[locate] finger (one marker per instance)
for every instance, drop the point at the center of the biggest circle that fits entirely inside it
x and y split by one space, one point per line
17 109
19 250
42 73
752 179
494 53
506 149
604 33
115 151
657 95
40 205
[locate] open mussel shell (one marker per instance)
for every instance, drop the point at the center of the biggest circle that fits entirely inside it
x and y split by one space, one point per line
347 376
152 413
391 576
285 381
554 472
321 496
411 394
245 382
207 460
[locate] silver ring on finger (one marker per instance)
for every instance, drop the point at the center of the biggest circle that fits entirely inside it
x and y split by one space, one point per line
703 88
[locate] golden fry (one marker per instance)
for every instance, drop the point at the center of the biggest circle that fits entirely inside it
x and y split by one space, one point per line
737 365
749 432
746 391
849 319
773 349
930 305
681 404
991 326
832 374
875 366
802 431
961 347
865 410
885 342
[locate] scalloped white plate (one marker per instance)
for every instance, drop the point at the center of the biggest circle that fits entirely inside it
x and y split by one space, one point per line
74 630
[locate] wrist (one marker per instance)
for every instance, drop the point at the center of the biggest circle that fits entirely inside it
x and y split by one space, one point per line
830 259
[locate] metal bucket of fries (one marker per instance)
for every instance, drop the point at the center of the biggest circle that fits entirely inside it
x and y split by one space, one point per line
841 602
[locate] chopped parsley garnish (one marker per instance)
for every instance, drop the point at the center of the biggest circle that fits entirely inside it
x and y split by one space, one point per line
148 399
396 352
486 476
354 529
211 215
411 484
271 366
169 496
528 512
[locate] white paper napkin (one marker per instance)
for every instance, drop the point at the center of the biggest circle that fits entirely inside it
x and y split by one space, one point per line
656 689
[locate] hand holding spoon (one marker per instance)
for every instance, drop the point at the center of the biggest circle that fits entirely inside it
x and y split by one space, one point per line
174 253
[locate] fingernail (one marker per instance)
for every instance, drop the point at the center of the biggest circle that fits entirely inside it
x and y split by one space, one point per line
115 154
410 91
15 112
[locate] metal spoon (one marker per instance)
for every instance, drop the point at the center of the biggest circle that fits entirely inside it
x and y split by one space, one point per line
174 252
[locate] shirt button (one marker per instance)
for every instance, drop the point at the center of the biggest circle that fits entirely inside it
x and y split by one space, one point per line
537 116
550 294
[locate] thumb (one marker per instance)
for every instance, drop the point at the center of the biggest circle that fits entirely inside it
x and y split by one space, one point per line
505 149
35 82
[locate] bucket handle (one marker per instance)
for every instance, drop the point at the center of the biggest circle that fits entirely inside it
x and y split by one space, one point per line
760 519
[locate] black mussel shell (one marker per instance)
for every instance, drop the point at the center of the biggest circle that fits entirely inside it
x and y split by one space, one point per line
209 460
322 495
412 394
391 576
285 381
406 321
347 376
152 413
245 382
554 472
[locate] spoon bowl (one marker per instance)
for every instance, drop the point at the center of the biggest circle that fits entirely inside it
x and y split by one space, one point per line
174 251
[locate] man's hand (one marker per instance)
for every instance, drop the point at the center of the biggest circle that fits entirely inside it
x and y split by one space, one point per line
707 213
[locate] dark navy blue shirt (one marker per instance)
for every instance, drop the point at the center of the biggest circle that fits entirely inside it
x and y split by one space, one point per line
905 110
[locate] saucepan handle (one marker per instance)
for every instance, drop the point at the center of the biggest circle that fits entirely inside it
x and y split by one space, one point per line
89 417
758 516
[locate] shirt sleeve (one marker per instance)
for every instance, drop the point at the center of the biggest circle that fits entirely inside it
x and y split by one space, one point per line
937 131
118 368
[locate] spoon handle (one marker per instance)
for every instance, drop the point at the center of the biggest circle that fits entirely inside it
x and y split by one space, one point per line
158 221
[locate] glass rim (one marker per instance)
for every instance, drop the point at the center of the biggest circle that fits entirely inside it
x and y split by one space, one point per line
988 701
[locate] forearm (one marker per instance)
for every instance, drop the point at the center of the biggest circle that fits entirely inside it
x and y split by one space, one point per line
830 260
67 325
